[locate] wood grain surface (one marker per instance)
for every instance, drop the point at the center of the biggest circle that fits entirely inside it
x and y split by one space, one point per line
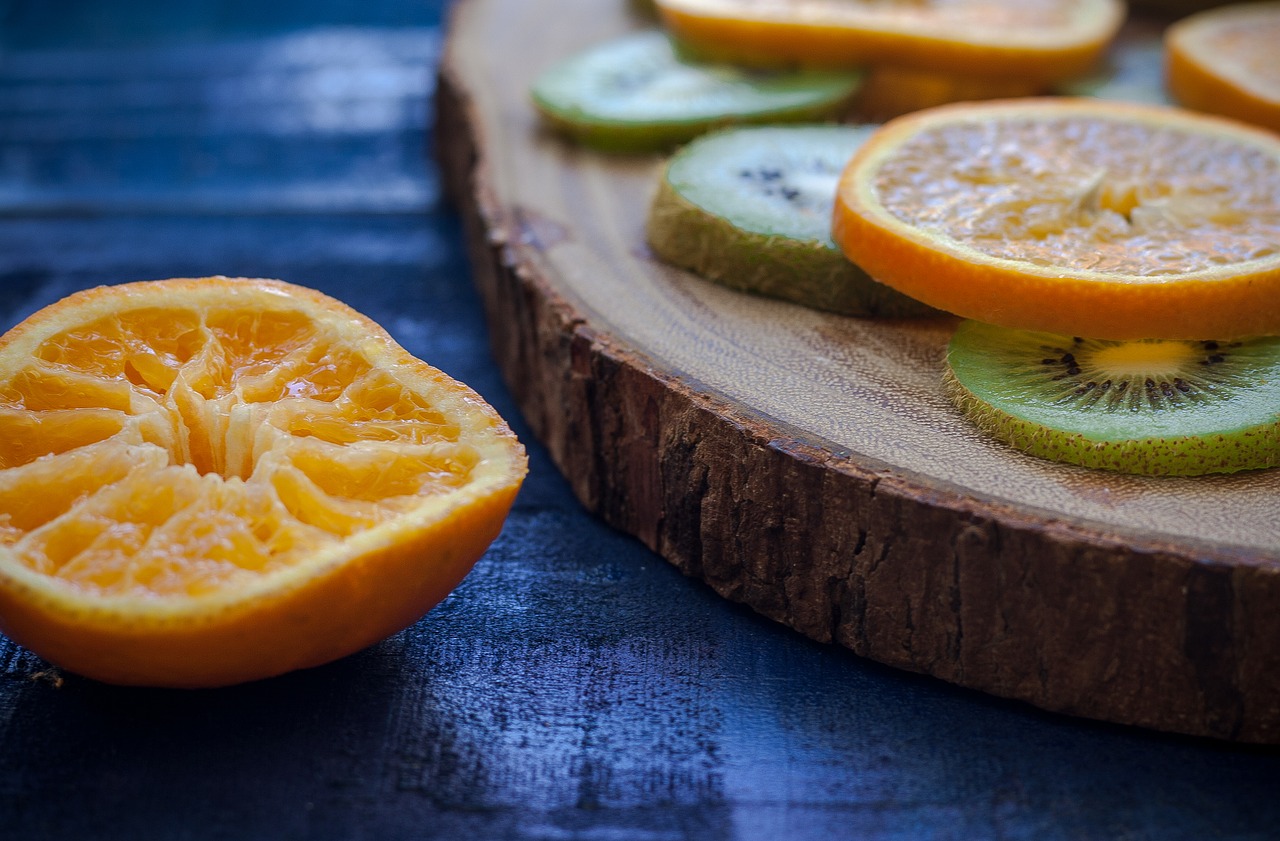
809 465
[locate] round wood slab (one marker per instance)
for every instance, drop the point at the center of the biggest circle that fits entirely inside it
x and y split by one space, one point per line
808 465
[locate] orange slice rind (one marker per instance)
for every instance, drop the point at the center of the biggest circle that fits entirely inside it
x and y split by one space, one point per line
1084 217
209 481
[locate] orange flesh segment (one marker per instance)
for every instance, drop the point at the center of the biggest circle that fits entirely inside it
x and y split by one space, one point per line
138 498
1081 217
1129 199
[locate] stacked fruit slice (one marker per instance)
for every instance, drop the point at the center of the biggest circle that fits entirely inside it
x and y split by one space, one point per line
916 54
1046 40
1141 244
639 94
762 61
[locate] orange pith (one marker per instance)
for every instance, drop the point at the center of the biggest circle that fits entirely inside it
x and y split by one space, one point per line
1083 217
1225 61
210 481
1042 40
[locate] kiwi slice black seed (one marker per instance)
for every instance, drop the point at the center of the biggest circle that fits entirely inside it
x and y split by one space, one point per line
1153 406
639 94
751 208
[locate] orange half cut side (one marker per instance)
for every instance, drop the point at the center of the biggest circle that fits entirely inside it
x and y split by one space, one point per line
209 481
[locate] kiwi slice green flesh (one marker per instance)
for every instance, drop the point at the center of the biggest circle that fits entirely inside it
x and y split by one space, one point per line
639 94
751 208
1152 407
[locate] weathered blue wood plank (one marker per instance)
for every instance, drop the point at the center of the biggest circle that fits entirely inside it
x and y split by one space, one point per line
575 686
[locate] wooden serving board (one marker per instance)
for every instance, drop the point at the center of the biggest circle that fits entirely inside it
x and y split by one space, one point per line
809 465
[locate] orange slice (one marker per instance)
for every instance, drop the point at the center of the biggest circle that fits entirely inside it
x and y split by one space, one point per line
1085 217
1227 61
209 481
1034 40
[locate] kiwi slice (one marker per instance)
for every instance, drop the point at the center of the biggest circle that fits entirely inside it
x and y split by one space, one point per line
751 208
639 94
1153 406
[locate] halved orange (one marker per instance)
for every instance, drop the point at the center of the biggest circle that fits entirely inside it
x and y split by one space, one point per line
1079 216
1227 61
209 481
1033 40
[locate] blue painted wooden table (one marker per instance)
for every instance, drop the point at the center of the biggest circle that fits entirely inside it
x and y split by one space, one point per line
575 686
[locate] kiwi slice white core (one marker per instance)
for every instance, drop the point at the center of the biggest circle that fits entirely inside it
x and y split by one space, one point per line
769 180
1153 406
638 93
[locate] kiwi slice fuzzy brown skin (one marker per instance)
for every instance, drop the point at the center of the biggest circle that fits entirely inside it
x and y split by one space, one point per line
639 93
750 208
1156 407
